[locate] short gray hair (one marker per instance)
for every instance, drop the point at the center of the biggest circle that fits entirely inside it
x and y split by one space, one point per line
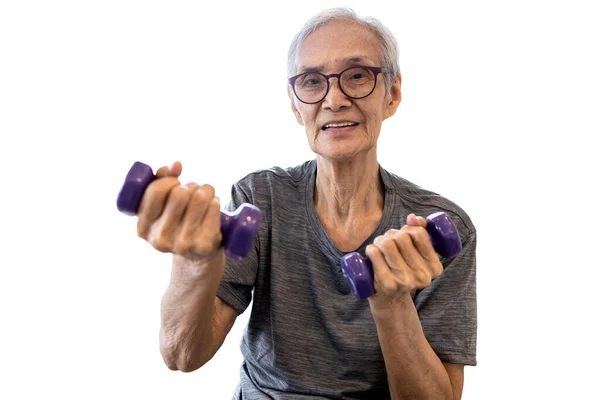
389 46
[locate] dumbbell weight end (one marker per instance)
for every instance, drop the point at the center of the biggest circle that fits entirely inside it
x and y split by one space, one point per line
238 228
358 270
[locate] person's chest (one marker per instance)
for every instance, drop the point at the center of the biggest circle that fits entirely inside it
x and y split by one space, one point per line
347 234
313 332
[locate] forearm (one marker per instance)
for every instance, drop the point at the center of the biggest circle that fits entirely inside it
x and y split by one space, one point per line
414 370
187 314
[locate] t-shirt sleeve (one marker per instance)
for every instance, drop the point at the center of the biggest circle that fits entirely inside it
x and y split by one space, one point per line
448 307
239 276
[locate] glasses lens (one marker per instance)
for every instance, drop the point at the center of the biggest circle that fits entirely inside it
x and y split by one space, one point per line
310 87
357 82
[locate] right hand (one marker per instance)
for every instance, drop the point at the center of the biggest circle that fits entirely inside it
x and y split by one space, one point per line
181 219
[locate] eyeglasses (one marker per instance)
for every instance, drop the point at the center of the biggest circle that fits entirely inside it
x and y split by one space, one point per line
354 82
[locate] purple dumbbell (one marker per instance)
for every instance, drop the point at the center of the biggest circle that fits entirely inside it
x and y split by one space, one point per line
358 270
238 227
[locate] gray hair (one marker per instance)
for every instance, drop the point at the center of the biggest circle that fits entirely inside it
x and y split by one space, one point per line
389 46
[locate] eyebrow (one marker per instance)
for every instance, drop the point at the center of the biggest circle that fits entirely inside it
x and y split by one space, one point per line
345 61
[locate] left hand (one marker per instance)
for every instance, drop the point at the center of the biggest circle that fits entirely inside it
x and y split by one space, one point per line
403 260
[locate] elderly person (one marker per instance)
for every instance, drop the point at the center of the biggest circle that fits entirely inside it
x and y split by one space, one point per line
308 337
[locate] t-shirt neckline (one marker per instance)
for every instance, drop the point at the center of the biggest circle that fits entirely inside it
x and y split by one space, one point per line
382 226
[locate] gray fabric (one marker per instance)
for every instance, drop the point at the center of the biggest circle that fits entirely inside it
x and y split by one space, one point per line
308 337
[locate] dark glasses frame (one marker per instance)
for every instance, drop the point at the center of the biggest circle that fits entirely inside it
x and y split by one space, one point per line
375 70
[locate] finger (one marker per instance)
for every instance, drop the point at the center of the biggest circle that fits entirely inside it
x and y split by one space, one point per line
413 220
208 235
170 219
173 170
422 270
381 270
163 233
425 261
191 187
153 203
391 254
422 242
176 169
384 279
406 248
196 208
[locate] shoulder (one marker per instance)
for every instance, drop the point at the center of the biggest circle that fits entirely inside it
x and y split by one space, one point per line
276 179
424 202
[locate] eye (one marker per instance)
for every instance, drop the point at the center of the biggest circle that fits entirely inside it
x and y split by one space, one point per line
357 75
310 81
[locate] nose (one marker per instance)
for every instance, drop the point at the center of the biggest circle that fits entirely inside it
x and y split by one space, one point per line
335 98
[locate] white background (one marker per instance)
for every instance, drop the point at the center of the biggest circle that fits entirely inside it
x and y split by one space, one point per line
499 113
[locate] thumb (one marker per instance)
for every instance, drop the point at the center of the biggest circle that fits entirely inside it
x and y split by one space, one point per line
413 220
174 170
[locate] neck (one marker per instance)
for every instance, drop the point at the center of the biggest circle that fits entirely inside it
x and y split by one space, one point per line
349 189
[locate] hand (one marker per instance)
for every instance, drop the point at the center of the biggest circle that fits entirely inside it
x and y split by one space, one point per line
403 260
180 219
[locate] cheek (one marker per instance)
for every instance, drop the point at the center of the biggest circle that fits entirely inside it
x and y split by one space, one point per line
308 117
374 117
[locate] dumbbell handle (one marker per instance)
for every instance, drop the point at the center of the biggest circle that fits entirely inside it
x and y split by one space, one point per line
238 227
358 270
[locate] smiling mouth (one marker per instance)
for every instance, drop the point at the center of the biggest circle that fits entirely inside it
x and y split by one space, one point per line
339 125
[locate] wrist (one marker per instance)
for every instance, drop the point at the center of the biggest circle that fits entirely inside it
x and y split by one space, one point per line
186 271
384 306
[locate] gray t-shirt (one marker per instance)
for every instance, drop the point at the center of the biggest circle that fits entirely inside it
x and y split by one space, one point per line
308 337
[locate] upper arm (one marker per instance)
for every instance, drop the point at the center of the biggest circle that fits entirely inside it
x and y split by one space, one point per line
223 319
457 378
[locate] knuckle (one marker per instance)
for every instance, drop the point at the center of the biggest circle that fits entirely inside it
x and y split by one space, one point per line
378 240
182 247
179 194
161 243
391 232
198 198
397 285
438 269
160 186
371 250
384 243
202 196
407 278
423 278
142 231
387 286
422 233
204 246
191 186
159 239
403 238
152 191
210 190
214 204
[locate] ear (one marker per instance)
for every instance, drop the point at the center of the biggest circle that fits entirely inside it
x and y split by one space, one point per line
294 108
393 98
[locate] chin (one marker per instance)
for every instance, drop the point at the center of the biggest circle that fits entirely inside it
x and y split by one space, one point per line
339 154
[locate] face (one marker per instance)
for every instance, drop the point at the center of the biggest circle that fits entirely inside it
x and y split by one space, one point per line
331 49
